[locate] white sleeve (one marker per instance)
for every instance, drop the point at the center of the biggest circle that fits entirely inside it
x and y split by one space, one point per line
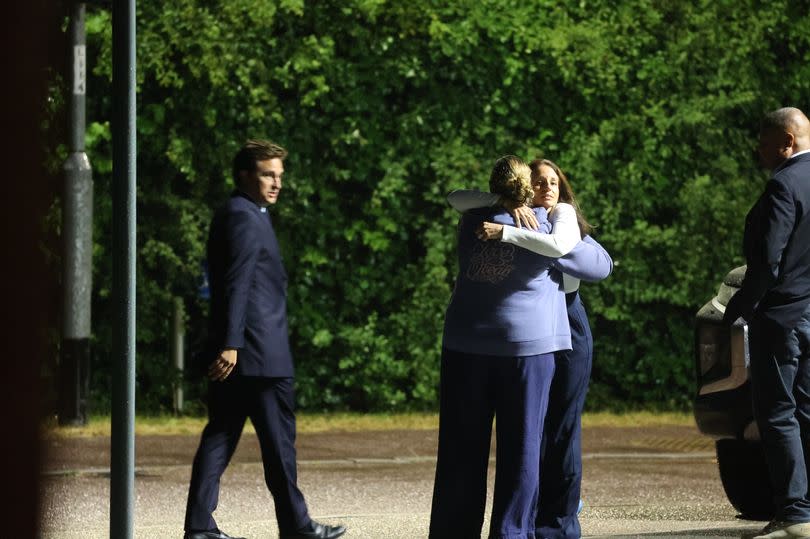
570 284
467 199
564 234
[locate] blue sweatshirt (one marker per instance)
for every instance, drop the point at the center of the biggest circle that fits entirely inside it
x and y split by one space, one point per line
507 301
588 261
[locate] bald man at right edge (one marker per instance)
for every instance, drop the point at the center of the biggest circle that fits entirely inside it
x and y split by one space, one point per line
774 300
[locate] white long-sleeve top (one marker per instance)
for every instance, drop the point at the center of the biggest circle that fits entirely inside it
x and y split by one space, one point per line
563 237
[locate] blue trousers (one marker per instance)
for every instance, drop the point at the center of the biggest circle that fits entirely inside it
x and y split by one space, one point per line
473 390
780 387
561 450
269 402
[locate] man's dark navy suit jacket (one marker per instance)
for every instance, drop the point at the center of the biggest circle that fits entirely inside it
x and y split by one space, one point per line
248 290
777 249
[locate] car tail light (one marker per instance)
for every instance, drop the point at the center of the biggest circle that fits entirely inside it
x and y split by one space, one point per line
722 355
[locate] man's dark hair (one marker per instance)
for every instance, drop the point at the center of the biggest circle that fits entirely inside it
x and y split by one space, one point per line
253 151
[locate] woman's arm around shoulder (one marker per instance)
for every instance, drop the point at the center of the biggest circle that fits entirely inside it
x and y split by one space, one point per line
564 234
468 199
588 261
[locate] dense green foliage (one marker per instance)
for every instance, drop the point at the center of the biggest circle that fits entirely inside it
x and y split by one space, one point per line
651 106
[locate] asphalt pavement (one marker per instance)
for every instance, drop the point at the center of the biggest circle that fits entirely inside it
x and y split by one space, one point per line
638 482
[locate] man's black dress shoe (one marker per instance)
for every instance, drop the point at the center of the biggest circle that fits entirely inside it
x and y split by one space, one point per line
213 534
317 531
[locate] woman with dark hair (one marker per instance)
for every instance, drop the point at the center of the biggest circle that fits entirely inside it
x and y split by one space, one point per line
561 453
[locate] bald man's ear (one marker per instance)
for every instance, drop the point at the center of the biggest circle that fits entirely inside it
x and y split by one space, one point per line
789 141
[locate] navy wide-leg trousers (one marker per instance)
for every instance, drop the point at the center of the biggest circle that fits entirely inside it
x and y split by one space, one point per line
474 389
561 448
269 403
780 388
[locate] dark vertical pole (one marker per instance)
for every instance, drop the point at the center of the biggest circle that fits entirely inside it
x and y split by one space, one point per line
77 235
122 467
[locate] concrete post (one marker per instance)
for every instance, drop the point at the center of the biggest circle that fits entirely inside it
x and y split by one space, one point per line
77 237
178 351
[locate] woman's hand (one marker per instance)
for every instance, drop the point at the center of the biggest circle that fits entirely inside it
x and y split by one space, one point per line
489 231
524 215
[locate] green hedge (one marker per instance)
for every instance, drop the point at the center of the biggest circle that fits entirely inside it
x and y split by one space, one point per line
651 106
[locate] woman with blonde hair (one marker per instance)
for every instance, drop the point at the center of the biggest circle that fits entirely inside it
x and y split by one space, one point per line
505 320
561 455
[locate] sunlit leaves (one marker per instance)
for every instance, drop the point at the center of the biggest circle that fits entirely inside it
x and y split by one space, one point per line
650 106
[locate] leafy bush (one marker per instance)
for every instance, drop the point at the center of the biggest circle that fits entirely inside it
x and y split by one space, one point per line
651 107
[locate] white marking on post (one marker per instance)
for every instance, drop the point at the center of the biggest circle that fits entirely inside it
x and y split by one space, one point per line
79 69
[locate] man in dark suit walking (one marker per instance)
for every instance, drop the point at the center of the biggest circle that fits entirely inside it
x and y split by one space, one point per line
249 362
775 301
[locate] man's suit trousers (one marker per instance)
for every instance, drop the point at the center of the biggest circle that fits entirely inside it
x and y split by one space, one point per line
269 403
780 387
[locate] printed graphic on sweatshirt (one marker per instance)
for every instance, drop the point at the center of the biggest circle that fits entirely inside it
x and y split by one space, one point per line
491 262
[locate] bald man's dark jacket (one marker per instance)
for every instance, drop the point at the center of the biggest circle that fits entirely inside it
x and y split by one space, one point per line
776 245
248 290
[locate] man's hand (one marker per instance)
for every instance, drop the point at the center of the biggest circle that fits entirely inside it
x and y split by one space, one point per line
524 215
489 231
733 310
221 367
